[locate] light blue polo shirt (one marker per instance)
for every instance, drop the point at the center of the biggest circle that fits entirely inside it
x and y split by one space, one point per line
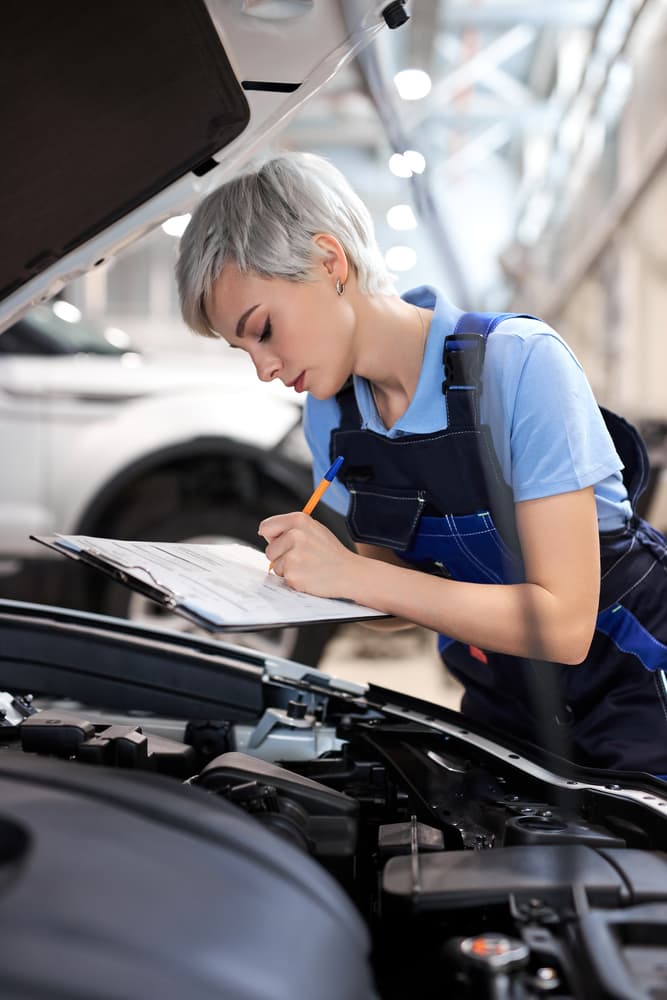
546 427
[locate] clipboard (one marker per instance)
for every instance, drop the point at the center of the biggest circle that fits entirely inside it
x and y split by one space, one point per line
219 587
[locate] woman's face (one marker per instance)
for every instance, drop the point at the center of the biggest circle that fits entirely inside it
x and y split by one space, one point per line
299 332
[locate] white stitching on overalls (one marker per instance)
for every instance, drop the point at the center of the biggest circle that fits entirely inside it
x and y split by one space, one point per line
458 539
504 551
620 558
636 583
381 539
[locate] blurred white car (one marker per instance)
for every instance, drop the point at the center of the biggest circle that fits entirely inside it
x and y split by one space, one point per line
95 439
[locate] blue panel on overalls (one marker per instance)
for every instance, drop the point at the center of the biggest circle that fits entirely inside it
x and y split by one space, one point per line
440 502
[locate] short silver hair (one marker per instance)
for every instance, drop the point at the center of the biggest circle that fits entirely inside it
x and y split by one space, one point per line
264 222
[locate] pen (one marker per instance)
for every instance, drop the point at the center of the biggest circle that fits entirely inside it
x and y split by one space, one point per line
323 485
321 488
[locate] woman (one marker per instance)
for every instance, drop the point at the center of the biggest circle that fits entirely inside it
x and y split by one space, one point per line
481 484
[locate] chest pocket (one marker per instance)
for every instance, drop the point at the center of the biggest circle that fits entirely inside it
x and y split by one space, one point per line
384 516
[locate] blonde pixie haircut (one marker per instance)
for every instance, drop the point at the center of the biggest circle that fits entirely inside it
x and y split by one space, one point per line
264 222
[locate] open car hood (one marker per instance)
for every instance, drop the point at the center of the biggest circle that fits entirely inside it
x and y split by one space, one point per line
124 115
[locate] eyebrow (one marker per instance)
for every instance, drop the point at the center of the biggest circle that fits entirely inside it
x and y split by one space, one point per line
240 326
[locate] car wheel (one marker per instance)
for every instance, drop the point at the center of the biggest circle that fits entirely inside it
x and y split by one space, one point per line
207 525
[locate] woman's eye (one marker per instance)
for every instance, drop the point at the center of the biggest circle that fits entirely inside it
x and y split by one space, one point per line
266 332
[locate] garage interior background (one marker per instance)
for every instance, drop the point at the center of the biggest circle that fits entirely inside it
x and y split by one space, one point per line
536 180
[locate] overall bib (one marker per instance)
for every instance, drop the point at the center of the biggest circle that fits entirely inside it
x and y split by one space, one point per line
440 502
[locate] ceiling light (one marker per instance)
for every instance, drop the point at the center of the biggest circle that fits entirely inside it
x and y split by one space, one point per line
400 258
66 311
415 161
176 226
401 217
412 84
117 337
399 165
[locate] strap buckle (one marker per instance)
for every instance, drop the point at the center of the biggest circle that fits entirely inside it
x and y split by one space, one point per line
463 357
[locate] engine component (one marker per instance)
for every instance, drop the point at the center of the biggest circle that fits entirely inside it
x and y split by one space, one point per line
317 818
63 735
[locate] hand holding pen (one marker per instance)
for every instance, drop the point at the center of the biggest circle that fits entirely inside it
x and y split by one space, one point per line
321 488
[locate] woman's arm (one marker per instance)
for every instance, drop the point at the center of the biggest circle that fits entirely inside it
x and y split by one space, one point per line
550 617
392 624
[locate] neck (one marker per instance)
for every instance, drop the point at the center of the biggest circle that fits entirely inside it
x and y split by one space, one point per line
390 343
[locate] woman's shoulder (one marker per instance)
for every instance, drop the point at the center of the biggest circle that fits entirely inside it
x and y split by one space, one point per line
522 329
520 339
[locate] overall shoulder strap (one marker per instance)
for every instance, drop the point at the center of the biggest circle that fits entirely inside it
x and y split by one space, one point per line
463 358
350 418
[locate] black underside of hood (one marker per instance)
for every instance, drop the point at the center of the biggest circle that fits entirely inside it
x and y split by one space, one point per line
104 105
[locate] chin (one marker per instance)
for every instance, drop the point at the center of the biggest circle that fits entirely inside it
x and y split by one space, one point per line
321 392
326 389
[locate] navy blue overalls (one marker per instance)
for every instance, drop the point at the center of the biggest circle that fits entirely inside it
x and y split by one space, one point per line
440 502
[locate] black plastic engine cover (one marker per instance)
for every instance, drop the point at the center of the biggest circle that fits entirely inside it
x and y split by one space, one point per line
132 885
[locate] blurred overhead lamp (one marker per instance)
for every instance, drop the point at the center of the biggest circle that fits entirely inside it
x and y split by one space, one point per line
399 166
415 161
117 337
406 164
401 217
176 225
412 84
68 312
400 258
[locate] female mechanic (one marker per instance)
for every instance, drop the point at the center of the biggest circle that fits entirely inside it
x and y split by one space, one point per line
489 497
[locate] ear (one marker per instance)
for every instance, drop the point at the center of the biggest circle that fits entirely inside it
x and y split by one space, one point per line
332 256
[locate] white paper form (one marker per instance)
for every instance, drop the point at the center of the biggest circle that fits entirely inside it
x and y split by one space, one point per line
227 586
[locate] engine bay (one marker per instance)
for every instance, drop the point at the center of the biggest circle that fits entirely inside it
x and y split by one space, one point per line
448 863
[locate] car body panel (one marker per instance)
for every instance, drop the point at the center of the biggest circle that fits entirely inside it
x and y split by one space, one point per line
71 428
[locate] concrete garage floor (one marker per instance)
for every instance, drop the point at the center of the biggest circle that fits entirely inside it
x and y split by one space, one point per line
404 661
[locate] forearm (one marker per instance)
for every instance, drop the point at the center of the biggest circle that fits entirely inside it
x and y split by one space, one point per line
551 617
523 620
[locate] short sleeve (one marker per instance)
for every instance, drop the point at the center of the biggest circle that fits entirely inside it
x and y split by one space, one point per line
558 438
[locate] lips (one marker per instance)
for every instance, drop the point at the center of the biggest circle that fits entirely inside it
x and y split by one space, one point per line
298 383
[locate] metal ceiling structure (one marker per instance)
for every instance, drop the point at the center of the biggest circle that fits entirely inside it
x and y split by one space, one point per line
524 97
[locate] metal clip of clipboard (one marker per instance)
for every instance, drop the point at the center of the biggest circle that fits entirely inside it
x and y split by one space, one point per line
168 597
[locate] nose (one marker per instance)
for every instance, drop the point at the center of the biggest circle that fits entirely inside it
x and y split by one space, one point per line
267 368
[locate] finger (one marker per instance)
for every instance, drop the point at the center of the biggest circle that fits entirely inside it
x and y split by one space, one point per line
276 549
277 524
